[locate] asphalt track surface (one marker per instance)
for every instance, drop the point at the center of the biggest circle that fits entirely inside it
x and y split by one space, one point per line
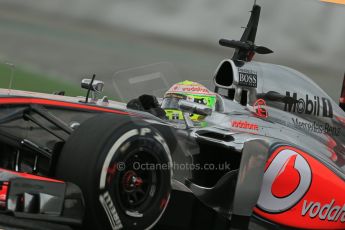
71 49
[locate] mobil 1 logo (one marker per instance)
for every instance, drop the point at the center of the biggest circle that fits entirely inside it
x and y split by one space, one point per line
248 78
317 106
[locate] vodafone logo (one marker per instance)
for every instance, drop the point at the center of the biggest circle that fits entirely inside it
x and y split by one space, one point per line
244 125
286 181
196 88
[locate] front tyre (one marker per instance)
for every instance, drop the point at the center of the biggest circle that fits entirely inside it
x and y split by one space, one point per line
123 168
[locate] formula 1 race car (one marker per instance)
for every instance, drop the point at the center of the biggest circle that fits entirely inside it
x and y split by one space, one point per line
71 163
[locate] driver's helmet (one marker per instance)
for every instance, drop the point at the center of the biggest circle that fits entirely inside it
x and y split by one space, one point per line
190 91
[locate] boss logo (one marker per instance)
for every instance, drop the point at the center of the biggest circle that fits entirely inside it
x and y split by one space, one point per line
247 78
286 180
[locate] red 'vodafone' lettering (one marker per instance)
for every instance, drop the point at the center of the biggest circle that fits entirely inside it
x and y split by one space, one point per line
198 89
244 125
195 89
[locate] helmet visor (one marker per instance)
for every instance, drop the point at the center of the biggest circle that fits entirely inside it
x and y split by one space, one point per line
170 103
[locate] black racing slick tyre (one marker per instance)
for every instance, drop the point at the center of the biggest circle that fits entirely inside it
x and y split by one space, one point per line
122 165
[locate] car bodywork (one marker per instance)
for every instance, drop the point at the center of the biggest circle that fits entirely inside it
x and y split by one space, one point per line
281 134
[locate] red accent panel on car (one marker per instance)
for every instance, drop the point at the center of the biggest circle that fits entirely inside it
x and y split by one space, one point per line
288 179
316 202
5 180
40 101
5 175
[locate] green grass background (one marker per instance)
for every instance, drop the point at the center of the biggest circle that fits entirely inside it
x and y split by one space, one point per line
29 81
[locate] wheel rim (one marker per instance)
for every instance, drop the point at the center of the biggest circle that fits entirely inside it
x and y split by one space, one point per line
137 187
133 188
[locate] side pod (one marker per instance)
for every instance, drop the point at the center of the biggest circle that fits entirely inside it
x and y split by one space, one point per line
244 190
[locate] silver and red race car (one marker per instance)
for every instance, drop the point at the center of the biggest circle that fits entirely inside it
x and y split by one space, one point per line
272 155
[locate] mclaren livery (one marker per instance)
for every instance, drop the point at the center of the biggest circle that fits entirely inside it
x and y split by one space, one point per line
73 163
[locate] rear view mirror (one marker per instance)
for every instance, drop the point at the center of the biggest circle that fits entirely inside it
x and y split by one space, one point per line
196 108
94 87
97 86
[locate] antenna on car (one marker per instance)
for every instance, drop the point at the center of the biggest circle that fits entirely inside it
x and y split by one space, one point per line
89 89
11 77
245 49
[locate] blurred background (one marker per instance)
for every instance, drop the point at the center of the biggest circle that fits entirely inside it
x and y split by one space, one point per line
55 43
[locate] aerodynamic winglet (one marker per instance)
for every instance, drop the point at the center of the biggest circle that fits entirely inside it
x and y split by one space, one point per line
246 48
